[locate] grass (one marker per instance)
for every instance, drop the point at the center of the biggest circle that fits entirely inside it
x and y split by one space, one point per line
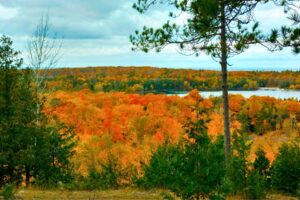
122 194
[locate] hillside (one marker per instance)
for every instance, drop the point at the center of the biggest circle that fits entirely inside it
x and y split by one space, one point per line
131 126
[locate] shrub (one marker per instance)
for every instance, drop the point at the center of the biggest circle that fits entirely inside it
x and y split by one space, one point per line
108 177
8 192
239 164
194 169
261 163
255 186
160 171
244 177
285 173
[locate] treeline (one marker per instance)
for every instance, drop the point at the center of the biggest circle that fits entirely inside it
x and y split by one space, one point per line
161 80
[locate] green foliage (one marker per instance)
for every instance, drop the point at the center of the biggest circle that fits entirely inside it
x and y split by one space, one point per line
167 196
256 188
239 163
8 192
192 169
201 31
108 177
298 191
111 173
54 148
203 169
261 163
31 147
163 163
288 36
243 177
93 180
286 168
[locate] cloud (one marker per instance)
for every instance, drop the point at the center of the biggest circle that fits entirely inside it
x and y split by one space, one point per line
96 32
71 19
7 13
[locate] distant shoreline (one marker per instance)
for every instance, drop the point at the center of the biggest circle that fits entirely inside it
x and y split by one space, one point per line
237 90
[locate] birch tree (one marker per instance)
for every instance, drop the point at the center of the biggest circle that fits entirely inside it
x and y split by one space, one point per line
44 50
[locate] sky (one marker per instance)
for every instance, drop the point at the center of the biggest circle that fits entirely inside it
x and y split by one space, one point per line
96 33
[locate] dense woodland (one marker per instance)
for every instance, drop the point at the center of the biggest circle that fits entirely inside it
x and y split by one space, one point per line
101 128
162 80
139 122
122 133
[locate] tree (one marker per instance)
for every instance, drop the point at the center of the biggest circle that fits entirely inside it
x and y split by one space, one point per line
244 177
219 28
44 51
285 171
42 151
192 169
261 163
10 62
288 36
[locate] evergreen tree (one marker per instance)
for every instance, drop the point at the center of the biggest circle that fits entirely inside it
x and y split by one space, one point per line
261 163
285 171
220 28
9 112
289 36
193 169
26 150
244 177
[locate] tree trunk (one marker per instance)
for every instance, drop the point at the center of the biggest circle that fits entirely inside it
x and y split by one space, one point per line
225 84
27 178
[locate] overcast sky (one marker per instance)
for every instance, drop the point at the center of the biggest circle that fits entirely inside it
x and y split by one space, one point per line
96 33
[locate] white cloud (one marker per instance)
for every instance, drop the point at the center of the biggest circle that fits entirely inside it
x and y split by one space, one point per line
97 32
7 13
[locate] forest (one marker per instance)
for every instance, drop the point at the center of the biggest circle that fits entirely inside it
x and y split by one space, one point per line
95 140
119 132
145 80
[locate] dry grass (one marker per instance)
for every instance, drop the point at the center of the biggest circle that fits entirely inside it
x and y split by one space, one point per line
126 194
123 194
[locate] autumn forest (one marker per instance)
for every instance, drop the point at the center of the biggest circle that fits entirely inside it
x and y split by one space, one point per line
140 132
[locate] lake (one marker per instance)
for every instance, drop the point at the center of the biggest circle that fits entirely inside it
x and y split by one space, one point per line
272 92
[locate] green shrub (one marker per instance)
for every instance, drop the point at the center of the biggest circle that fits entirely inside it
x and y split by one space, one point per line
243 177
239 164
285 173
158 173
255 186
108 177
190 170
298 191
261 163
8 192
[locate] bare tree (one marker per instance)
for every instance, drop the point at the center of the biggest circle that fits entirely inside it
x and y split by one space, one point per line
44 51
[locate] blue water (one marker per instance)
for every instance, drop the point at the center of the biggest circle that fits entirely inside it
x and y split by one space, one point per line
272 92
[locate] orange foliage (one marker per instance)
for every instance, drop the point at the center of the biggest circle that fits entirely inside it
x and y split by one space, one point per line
131 126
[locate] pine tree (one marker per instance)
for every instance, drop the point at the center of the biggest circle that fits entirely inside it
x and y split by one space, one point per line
9 101
220 28
40 152
288 36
